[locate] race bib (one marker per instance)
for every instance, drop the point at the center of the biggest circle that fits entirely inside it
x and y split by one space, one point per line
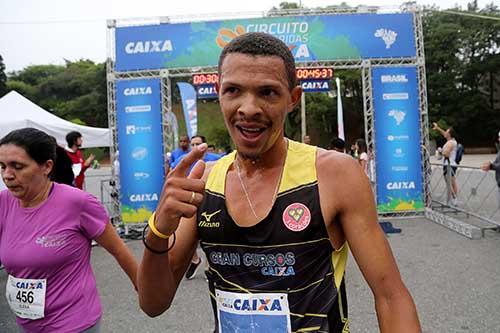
26 297
249 313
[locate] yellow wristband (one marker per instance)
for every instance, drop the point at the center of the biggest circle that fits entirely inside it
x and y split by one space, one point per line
151 223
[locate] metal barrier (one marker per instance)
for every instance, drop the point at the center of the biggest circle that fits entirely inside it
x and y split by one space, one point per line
100 184
476 200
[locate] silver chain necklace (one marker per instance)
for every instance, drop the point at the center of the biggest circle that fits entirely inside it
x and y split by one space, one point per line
238 171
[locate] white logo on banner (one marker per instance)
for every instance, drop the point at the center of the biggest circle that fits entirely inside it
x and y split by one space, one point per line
133 129
149 46
401 78
398 138
398 115
143 197
137 108
401 186
139 153
137 91
399 168
395 96
398 152
388 36
141 175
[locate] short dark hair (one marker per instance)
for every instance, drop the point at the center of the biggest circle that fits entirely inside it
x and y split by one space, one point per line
262 44
337 143
203 139
72 136
40 146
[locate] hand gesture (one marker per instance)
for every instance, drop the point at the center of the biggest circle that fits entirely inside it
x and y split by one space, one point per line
89 160
181 194
435 126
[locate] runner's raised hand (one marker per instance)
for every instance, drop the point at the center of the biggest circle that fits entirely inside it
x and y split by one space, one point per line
182 193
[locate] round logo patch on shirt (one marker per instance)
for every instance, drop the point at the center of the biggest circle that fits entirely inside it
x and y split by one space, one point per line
296 217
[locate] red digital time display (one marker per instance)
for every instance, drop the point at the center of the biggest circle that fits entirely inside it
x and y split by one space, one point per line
205 78
317 73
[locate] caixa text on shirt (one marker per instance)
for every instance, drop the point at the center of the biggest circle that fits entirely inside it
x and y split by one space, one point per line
278 264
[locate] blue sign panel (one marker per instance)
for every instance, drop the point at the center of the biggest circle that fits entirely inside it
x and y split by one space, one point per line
188 96
311 38
315 85
140 142
397 139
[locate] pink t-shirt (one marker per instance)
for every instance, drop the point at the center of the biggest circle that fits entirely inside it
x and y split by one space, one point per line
53 242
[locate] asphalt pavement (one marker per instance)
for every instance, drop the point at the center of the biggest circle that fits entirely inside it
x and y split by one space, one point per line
454 281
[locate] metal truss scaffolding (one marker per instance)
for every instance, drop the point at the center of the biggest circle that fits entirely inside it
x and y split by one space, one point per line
365 66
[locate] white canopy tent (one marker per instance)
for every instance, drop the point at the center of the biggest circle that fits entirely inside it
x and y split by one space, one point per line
16 111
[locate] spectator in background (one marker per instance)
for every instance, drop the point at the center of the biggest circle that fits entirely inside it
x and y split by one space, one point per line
307 140
211 149
361 153
74 140
449 152
337 144
63 168
495 165
177 154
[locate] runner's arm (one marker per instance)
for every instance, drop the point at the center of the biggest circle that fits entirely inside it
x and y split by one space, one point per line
160 274
110 241
352 204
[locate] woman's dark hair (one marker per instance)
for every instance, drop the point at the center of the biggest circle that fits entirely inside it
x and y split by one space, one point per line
361 145
63 172
40 146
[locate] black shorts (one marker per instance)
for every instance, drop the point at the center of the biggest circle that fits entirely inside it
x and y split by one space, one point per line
453 170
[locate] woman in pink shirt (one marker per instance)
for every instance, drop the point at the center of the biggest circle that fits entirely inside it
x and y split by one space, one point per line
46 231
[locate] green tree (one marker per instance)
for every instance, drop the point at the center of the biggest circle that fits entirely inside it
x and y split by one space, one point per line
462 63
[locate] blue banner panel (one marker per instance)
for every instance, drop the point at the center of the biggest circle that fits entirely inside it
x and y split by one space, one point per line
188 96
397 139
140 142
206 91
315 85
311 38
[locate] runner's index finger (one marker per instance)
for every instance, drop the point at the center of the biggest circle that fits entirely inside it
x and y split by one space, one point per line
193 156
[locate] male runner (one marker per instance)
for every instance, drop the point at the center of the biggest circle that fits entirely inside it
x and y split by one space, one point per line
275 218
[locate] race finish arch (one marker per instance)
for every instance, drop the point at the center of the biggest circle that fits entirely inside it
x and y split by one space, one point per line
388 48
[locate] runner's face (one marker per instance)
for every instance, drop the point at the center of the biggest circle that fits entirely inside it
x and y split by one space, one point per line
22 175
255 99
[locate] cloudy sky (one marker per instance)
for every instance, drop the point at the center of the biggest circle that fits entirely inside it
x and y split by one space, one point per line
34 32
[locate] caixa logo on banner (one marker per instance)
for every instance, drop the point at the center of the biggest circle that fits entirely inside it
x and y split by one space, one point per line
135 91
139 153
143 197
150 46
400 185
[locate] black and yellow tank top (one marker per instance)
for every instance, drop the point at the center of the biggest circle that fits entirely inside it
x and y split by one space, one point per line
287 254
